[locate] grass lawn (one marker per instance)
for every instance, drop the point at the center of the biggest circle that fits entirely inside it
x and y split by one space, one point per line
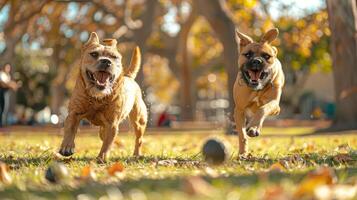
281 166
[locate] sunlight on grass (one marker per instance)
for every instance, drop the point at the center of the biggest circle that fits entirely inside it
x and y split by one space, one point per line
288 131
168 161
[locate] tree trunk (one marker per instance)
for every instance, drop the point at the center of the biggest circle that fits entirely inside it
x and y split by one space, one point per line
57 98
186 95
219 19
140 37
56 91
343 25
142 34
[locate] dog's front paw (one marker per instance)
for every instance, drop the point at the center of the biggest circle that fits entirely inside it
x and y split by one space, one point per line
67 149
253 131
102 158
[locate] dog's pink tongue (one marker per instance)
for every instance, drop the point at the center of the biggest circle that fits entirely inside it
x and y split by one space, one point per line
254 75
102 77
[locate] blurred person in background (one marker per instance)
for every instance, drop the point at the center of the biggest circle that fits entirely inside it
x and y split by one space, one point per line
164 119
5 84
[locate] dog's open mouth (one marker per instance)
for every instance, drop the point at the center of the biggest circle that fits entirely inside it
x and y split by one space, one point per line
255 75
101 79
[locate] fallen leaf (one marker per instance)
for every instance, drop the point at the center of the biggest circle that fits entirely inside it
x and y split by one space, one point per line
115 168
170 162
4 174
275 193
185 149
118 143
246 157
296 159
309 146
295 149
354 141
88 174
322 176
343 148
336 140
278 166
342 158
265 141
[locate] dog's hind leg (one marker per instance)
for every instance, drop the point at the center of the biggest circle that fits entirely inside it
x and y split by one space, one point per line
109 132
138 119
101 133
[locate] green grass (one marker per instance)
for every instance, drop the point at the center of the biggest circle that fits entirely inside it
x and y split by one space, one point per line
29 154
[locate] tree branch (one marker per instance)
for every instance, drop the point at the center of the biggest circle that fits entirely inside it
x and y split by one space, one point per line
27 17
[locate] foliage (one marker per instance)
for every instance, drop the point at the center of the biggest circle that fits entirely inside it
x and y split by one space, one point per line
32 72
305 42
62 27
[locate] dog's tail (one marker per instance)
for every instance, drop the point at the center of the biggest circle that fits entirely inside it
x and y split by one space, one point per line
135 62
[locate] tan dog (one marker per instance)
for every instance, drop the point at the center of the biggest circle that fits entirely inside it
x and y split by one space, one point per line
258 86
105 93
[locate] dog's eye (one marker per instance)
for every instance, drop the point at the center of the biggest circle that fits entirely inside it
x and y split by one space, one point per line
114 56
94 54
266 56
248 55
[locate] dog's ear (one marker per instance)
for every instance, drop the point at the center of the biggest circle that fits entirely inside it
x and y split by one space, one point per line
110 42
93 38
275 50
242 39
270 36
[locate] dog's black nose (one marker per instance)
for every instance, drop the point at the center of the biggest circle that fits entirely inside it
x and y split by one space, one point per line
105 63
257 61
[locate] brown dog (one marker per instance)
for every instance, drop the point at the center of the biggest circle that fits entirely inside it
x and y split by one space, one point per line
105 93
258 86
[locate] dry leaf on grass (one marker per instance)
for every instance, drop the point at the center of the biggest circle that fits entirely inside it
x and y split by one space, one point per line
296 159
5 177
278 166
310 147
170 162
275 193
88 174
118 143
342 158
343 148
319 177
115 168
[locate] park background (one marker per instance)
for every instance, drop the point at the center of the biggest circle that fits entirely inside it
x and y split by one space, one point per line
189 55
189 66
